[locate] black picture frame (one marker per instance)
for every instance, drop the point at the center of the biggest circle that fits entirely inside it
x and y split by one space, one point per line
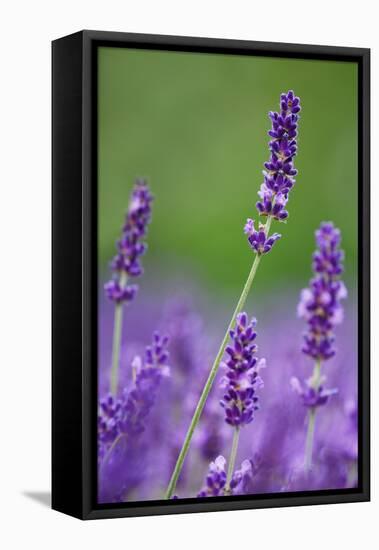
74 273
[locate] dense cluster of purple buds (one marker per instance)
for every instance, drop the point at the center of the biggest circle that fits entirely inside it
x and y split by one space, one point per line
215 481
130 247
242 374
320 304
127 415
279 171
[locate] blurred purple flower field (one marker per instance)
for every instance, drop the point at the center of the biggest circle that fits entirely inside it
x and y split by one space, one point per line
273 444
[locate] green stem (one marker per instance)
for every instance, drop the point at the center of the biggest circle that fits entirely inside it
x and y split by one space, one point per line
268 225
311 421
309 440
208 385
232 460
117 331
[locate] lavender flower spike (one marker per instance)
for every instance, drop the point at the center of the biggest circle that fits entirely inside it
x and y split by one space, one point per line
122 421
147 378
127 415
241 382
279 174
320 306
127 264
242 374
130 247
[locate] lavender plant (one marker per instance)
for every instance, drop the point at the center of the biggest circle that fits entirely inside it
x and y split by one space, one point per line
241 381
126 264
320 306
279 179
125 418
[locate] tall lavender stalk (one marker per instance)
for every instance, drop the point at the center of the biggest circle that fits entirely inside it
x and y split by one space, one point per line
320 306
279 179
126 264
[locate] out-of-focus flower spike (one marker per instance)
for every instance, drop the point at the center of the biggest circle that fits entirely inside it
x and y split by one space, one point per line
130 247
320 303
127 415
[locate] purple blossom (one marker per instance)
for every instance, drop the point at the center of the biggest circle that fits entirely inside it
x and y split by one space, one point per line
215 480
123 458
242 379
118 294
312 396
257 238
108 427
242 478
272 204
147 374
327 260
320 304
279 173
127 415
130 247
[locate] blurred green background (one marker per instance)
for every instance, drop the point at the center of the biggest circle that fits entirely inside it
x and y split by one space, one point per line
196 126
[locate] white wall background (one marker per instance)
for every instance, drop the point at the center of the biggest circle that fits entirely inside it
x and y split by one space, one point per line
26 31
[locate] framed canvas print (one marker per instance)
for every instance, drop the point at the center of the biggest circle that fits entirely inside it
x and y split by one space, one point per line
210 275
